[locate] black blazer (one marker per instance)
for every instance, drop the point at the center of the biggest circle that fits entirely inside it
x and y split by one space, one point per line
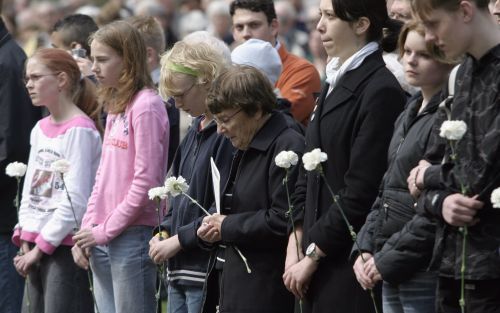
257 222
353 125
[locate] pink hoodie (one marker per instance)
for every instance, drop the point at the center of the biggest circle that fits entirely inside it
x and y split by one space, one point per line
134 159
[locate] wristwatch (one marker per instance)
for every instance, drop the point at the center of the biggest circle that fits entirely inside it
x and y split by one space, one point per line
312 253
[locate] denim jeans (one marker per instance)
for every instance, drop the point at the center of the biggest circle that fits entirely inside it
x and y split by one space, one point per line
124 275
57 285
416 295
11 283
184 298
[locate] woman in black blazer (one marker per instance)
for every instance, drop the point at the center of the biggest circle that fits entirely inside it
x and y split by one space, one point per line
352 123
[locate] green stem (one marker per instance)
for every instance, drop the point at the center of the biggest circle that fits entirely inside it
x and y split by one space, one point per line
77 228
17 196
91 288
70 203
349 227
27 289
290 215
462 270
160 268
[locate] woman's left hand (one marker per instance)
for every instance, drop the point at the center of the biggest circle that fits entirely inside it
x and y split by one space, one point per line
210 230
298 276
85 239
372 271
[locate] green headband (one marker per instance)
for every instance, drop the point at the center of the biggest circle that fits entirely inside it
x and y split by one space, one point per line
182 69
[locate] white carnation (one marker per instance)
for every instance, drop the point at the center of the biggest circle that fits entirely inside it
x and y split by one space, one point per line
158 193
495 198
16 169
176 185
60 166
312 159
285 159
453 130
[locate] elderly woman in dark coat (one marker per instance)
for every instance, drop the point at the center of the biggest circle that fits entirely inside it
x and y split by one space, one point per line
253 217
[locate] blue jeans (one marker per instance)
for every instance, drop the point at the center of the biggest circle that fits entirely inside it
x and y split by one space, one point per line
11 283
124 275
184 299
416 295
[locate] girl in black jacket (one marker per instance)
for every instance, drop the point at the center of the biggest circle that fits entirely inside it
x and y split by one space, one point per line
396 253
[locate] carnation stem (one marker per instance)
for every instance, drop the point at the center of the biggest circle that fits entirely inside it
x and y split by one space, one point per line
17 196
77 228
160 267
28 297
199 205
290 215
70 202
349 227
462 270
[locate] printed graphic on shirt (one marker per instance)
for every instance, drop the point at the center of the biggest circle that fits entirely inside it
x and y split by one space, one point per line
45 184
118 135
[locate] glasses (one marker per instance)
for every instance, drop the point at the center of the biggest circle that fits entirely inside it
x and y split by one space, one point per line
36 77
226 120
173 99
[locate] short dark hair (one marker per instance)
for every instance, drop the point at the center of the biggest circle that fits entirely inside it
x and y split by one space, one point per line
76 28
264 6
241 87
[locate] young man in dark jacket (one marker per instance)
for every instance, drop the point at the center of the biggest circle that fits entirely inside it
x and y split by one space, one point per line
17 118
459 27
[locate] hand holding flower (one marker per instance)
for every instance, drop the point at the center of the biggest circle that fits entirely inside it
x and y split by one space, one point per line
460 210
372 271
24 262
81 256
160 251
298 276
210 230
84 238
363 279
291 250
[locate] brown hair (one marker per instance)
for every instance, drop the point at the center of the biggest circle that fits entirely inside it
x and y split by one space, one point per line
151 32
432 49
81 89
422 8
241 87
128 44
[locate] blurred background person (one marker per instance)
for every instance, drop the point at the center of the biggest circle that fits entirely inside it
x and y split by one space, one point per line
299 81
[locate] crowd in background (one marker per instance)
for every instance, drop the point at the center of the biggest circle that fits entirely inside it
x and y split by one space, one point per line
133 92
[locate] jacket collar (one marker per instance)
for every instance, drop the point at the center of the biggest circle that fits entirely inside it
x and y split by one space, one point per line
349 83
269 132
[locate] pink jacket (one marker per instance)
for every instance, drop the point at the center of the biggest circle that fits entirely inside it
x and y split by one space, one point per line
134 159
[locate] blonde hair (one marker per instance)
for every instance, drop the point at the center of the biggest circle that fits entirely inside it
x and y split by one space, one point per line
198 61
127 42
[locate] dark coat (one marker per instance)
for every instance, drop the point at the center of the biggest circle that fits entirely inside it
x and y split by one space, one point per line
256 223
17 118
394 206
192 161
477 103
353 125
